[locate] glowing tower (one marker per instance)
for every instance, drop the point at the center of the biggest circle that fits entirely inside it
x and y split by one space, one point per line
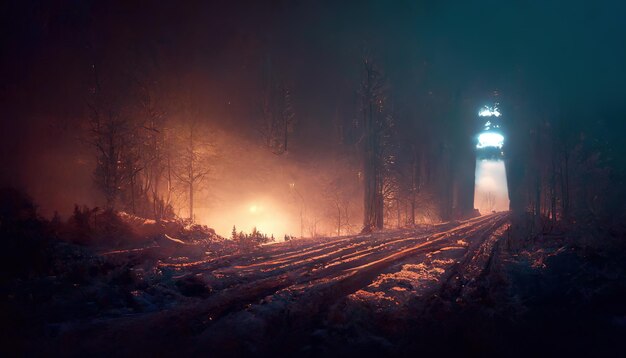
490 189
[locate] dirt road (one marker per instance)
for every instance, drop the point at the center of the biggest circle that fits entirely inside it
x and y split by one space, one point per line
276 297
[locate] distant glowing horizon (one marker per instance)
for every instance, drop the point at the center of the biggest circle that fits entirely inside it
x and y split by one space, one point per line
262 213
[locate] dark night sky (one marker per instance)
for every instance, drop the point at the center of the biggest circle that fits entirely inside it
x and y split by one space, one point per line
568 55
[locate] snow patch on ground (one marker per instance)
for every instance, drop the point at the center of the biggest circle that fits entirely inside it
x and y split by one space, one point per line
398 288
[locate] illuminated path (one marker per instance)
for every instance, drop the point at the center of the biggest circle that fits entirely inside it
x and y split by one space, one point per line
302 282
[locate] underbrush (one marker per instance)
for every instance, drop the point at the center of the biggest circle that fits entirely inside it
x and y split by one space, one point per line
558 292
95 266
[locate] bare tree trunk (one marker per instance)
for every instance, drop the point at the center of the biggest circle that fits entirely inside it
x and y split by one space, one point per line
169 180
369 175
156 201
537 202
565 186
132 193
414 186
398 207
380 201
372 156
373 218
553 190
538 173
191 177
338 220
191 201
112 172
447 184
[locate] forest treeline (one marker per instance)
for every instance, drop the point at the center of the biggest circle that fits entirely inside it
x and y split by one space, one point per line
395 160
155 148
567 167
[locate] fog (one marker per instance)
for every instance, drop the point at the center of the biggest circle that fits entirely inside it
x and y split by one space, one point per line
277 194
222 66
491 190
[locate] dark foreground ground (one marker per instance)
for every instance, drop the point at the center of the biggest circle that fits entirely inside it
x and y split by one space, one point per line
476 287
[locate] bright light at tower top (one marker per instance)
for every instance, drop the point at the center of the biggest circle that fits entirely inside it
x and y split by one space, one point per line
490 139
487 111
